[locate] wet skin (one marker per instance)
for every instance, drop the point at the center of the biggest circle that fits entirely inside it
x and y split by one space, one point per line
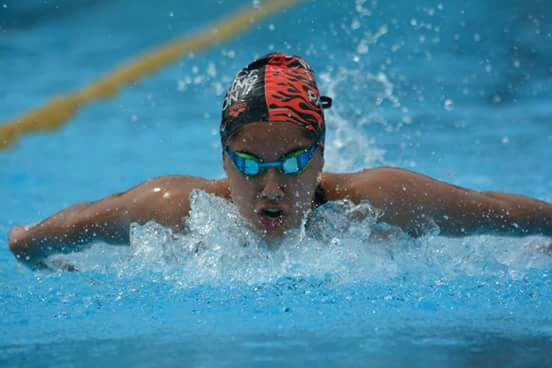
273 201
408 200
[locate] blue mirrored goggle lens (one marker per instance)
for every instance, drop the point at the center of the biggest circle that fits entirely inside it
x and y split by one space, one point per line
291 166
251 167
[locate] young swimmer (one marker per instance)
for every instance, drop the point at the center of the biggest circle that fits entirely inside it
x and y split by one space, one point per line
272 135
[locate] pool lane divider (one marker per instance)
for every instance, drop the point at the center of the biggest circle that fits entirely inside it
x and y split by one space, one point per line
61 109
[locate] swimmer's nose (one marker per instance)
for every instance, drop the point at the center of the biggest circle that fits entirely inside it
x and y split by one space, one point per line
272 189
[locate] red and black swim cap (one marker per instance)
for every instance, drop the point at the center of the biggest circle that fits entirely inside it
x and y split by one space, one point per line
274 88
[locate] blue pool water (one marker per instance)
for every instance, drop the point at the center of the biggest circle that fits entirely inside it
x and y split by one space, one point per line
458 90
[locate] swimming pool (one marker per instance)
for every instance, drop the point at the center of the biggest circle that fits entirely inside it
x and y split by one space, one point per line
456 90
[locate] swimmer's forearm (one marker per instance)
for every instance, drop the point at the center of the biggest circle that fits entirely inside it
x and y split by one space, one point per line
525 216
495 213
416 202
66 231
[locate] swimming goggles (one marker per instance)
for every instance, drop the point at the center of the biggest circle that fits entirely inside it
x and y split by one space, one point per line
290 164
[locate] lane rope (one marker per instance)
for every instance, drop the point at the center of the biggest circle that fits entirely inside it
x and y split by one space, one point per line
61 109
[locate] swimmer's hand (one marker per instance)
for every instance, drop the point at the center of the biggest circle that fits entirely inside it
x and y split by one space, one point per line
58 264
17 244
15 237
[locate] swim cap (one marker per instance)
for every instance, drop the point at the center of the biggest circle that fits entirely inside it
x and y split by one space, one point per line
274 88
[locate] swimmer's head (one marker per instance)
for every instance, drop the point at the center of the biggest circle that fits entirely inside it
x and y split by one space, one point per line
272 133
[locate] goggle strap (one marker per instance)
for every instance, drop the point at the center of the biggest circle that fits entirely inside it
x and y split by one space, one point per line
325 102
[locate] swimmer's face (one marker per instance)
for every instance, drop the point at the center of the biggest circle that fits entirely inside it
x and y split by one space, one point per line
273 201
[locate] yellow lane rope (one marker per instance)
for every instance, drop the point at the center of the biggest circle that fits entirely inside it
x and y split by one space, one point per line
60 109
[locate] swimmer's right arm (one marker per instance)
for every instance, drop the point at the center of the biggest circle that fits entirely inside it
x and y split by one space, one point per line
163 200
70 229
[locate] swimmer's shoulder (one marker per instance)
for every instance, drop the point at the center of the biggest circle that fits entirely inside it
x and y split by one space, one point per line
165 199
180 186
366 184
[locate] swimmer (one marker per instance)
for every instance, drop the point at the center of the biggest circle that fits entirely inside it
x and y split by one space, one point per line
272 133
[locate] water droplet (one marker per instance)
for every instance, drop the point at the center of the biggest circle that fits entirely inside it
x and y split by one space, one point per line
362 47
211 70
181 86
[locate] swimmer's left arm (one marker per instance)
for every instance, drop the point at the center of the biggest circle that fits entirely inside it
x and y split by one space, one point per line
414 201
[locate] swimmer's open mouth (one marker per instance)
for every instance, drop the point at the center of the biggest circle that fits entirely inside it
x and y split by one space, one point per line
271 217
272 212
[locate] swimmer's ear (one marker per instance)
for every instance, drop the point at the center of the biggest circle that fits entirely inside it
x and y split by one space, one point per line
325 102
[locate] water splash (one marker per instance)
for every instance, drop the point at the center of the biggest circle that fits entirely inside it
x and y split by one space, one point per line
366 95
340 243
369 39
220 246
